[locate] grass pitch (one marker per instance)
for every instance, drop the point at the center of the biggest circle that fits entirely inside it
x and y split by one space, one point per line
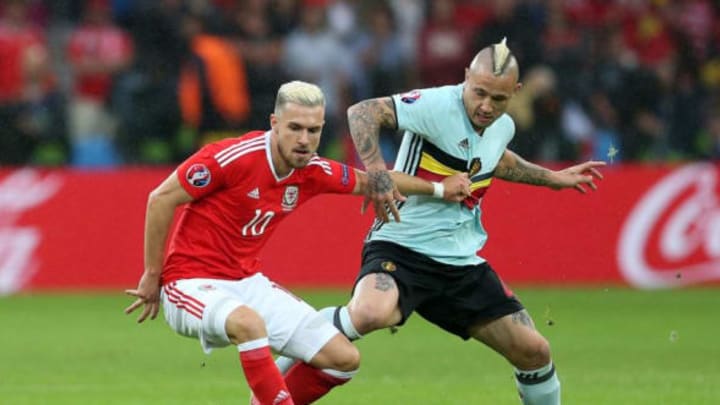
611 346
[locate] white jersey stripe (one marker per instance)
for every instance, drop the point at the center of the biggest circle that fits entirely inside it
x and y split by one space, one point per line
181 303
230 158
240 145
326 167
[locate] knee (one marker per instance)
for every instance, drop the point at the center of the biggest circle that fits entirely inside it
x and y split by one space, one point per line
349 360
244 324
532 354
370 316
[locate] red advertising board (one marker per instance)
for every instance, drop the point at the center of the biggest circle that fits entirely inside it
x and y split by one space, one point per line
647 226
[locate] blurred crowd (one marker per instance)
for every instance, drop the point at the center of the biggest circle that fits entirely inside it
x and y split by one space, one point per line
95 83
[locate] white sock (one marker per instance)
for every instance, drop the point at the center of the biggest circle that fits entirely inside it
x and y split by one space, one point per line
538 387
340 317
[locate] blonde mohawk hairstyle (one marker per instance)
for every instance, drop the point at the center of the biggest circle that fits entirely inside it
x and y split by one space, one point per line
500 56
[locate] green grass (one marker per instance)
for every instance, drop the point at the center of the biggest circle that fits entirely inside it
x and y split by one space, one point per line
610 346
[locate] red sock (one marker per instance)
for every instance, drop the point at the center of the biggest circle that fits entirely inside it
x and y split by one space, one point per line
307 383
263 376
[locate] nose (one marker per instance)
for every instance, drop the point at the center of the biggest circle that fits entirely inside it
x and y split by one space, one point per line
486 105
304 137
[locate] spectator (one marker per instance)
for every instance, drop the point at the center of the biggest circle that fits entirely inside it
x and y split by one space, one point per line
98 51
314 54
145 99
30 109
213 89
444 46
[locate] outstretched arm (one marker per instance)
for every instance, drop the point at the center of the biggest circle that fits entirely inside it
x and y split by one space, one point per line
365 120
160 211
453 188
516 169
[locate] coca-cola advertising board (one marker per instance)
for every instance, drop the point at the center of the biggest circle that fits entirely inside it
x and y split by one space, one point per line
646 226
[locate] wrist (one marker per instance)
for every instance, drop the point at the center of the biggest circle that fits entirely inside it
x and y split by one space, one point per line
438 190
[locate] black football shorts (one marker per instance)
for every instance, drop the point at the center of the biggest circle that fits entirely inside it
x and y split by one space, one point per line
452 297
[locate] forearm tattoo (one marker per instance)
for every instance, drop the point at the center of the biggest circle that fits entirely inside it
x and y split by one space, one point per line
365 120
522 317
521 171
379 182
384 282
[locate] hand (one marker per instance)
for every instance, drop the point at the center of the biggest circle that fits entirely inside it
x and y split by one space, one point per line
457 187
383 193
577 176
148 294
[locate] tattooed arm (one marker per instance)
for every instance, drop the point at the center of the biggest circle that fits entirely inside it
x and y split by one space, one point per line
516 169
365 120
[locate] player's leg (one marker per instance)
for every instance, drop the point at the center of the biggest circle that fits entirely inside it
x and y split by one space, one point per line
374 305
245 328
327 359
514 336
506 327
475 303
334 365
219 313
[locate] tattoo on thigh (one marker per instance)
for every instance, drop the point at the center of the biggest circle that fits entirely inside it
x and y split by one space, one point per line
384 282
523 317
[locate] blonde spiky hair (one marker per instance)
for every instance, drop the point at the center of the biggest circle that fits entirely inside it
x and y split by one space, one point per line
500 56
299 92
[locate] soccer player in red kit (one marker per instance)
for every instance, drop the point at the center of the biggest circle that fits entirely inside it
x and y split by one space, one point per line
235 193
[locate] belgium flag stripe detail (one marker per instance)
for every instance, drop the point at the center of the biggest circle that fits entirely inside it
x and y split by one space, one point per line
430 164
481 184
446 159
428 175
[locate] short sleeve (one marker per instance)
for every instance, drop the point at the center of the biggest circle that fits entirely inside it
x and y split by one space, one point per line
419 111
329 176
201 174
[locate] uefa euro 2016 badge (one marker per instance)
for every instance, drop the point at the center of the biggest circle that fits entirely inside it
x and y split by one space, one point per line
410 97
290 197
198 175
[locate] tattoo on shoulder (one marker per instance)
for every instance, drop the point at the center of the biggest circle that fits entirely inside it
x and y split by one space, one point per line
384 282
389 120
522 317
365 120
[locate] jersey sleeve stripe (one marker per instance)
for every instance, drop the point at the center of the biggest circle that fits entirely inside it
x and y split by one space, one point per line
230 158
324 165
246 144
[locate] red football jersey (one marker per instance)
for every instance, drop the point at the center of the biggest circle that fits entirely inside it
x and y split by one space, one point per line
238 203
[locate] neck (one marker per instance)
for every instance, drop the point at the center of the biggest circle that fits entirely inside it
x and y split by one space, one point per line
280 166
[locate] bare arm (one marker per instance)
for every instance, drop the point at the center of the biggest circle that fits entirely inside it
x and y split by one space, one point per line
516 169
365 120
158 219
454 188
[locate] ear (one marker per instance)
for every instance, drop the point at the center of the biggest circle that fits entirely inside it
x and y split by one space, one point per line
518 87
273 120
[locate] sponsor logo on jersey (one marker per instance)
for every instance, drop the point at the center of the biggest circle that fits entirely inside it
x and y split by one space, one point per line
290 197
388 266
198 175
206 287
410 97
464 144
254 193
